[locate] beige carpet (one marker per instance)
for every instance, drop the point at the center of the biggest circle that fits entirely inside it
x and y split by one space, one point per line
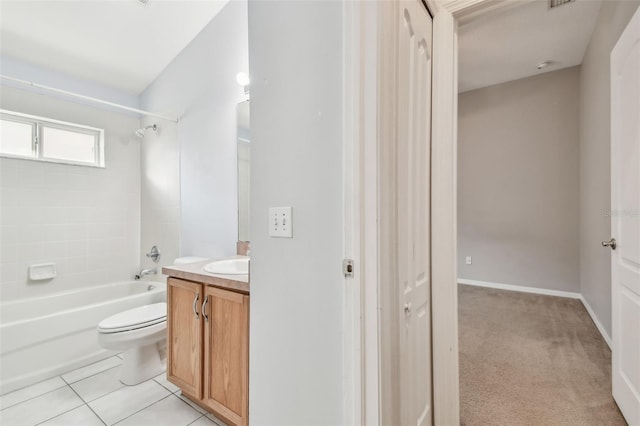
527 359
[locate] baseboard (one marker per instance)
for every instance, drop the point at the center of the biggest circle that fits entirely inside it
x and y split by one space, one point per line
520 288
596 321
547 292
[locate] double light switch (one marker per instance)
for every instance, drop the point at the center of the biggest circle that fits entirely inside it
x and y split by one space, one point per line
280 222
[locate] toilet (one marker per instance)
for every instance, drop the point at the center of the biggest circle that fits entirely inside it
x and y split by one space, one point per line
139 333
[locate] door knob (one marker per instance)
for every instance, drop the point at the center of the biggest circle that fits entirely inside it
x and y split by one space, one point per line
611 243
407 308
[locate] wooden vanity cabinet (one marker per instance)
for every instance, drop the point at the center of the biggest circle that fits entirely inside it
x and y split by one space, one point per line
184 336
208 347
226 348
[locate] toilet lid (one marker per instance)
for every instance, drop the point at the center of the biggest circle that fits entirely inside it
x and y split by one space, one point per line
139 317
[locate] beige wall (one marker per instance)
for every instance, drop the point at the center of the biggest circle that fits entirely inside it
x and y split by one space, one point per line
518 187
595 266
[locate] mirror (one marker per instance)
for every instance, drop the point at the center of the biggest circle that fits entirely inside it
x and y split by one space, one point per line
244 169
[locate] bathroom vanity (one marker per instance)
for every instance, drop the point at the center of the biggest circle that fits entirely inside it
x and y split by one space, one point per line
208 339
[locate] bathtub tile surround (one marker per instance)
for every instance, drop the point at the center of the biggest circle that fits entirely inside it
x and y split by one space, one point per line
84 219
98 398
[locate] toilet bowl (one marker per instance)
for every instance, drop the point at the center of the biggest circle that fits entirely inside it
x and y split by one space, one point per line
140 334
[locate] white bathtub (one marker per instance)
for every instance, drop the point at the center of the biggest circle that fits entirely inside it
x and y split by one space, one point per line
46 336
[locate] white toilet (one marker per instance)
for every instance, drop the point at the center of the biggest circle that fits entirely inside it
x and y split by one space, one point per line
140 334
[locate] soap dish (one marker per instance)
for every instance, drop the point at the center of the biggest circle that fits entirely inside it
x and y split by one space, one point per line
42 271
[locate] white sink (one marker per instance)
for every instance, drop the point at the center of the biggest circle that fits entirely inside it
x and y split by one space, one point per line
239 266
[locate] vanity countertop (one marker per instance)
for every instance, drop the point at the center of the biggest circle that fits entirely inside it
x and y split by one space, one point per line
194 272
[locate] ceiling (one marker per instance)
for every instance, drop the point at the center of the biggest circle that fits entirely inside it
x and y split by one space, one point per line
508 44
119 43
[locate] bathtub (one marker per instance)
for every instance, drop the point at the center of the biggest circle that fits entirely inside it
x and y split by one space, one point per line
46 336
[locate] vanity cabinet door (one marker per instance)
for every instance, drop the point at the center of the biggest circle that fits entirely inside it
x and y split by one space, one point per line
226 359
184 335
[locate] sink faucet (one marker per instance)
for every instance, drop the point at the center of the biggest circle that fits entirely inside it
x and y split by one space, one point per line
145 272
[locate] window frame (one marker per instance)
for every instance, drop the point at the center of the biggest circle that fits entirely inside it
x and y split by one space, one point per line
38 141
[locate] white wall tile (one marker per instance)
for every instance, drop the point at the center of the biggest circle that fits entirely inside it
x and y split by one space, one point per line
77 232
30 253
76 248
50 212
75 265
8 254
9 271
10 235
54 250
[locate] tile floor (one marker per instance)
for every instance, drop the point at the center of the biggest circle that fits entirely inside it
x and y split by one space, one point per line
93 395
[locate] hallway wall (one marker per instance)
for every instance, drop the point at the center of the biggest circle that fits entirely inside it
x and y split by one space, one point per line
518 153
595 145
297 288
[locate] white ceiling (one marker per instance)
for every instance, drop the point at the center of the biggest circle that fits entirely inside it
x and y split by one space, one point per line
119 43
508 45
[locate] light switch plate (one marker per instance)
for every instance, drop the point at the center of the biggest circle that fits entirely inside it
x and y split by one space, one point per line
468 260
281 222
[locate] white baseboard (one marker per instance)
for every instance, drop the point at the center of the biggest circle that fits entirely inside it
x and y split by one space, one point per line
596 321
544 291
523 289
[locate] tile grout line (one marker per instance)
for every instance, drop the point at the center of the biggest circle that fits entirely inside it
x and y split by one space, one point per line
85 402
64 412
142 409
108 393
182 398
204 415
60 376
33 397
172 392
94 374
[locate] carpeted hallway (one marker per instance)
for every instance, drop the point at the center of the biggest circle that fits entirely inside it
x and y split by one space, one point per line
527 359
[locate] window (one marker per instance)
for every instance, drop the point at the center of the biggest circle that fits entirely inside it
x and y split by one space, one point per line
36 138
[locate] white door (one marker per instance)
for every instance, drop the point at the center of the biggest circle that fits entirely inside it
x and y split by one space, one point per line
413 196
625 220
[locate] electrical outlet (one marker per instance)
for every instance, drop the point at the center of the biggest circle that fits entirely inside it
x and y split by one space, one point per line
280 222
469 261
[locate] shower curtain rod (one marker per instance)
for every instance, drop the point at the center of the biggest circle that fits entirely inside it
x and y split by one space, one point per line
87 98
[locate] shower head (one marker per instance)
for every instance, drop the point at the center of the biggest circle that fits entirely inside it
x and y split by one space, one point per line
140 132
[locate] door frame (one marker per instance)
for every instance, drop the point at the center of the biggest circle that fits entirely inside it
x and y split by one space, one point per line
367 54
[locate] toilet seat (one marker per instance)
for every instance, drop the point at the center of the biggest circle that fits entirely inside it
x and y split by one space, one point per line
134 319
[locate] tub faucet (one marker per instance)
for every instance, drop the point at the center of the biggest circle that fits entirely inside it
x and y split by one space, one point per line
145 272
